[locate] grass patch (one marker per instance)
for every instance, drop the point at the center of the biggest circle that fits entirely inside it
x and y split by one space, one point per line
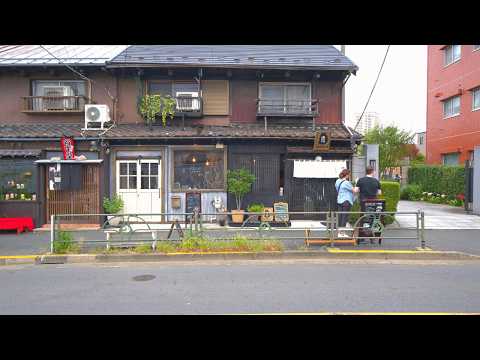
64 243
143 248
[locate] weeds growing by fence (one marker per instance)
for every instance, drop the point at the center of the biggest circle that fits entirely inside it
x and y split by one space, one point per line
64 243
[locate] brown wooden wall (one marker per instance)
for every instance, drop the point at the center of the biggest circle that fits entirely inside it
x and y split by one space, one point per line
239 108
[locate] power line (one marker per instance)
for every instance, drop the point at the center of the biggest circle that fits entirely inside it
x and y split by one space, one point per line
373 88
68 66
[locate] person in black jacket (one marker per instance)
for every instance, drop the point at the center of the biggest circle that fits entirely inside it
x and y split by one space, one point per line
368 187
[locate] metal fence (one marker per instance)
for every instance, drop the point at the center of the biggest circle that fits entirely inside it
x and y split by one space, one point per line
323 228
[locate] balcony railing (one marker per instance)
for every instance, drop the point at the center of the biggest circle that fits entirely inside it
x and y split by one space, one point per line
54 104
281 107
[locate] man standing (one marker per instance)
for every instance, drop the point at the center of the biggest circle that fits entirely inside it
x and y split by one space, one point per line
368 187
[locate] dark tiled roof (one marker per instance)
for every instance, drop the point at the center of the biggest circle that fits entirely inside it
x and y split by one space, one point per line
317 57
19 153
140 131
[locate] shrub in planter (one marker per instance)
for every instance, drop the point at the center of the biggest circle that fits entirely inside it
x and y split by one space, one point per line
256 208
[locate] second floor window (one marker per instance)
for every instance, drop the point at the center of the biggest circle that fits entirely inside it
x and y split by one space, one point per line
451 107
48 95
452 54
187 94
476 99
420 139
285 98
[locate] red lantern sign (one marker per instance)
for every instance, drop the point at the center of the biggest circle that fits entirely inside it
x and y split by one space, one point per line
68 147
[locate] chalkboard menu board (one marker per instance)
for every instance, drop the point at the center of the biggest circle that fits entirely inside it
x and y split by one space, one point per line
193 200
281 211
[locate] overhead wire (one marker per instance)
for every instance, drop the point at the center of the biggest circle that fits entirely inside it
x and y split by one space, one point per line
85 78
373 88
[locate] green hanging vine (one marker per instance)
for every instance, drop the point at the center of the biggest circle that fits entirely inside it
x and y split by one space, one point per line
153 105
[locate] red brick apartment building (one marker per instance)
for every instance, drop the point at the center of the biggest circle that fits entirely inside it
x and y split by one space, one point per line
453 103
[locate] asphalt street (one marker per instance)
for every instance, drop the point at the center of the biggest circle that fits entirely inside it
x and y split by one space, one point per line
241 287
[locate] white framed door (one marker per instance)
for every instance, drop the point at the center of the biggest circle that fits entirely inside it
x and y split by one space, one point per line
139 185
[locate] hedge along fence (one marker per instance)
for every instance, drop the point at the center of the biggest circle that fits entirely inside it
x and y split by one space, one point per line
391 195
442 179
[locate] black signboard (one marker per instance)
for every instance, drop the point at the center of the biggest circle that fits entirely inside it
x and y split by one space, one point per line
374 205
193 200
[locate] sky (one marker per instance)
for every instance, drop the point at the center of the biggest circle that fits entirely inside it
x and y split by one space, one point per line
401 92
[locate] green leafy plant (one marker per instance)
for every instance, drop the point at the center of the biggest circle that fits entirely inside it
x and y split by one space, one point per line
64 243
153 105
394 145
239 184
256 208
113 205
411 192
442 179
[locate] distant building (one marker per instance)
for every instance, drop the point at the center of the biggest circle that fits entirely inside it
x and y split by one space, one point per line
368 122
420 141
453 103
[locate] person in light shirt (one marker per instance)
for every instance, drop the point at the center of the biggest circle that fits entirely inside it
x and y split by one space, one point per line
344 198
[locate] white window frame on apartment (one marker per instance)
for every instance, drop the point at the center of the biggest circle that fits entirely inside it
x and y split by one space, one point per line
476 96
284 84
450 154
448 101
452 48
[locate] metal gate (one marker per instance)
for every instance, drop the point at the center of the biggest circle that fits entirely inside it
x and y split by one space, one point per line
308 194
468 185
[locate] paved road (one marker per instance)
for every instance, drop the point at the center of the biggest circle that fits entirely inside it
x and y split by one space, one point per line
241 288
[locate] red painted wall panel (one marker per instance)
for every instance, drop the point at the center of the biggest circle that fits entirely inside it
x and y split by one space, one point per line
459 133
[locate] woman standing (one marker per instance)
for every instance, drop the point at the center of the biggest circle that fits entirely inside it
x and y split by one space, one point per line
344 198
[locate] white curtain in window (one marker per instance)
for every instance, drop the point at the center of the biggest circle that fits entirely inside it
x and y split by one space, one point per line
298 98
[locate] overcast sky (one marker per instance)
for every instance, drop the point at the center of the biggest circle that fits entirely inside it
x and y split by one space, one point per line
401 92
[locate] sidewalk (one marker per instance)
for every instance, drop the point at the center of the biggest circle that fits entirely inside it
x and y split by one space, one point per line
438 216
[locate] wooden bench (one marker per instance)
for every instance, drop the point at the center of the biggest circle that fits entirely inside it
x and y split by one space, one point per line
311 240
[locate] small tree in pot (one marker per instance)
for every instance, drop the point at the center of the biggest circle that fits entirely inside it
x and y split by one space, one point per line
239 184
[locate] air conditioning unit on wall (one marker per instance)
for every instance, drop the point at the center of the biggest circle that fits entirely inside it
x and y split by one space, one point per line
96 116
55 98
187 101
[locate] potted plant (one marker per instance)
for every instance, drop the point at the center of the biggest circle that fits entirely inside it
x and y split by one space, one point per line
256 208
239 184
152 105
113 206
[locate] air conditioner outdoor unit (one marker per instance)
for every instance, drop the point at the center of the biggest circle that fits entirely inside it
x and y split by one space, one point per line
187 101
96 116
54 98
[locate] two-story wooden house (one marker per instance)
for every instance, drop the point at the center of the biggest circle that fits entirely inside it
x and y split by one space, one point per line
254 107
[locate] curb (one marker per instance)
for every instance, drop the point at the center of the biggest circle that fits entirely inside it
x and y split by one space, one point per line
329 254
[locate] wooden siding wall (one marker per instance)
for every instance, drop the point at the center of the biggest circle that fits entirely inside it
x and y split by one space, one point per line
329 95
264 161
244 96
216 96
85 200
305 194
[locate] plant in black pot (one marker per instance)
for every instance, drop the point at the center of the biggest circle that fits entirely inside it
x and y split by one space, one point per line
113 206
256 208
